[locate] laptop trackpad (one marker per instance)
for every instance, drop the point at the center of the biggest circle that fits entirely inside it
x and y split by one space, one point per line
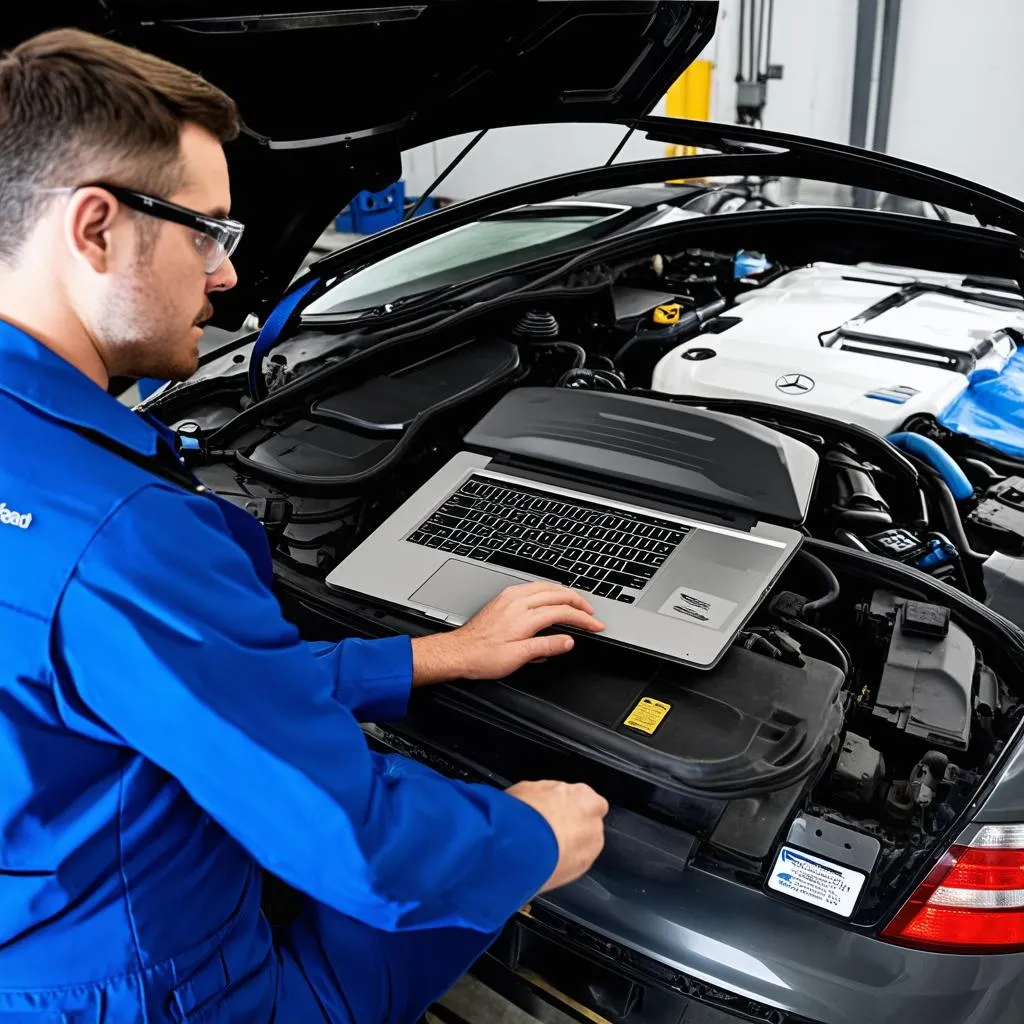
462 589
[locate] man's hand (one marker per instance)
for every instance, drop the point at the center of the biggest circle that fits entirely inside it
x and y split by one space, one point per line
576 815
502 636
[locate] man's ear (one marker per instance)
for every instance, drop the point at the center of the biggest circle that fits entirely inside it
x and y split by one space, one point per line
90 215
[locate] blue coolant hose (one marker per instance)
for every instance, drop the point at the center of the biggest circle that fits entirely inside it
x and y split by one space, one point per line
928 451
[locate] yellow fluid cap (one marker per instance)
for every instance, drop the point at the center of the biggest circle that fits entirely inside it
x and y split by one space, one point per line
668 314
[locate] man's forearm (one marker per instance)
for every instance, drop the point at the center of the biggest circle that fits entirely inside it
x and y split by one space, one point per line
436 659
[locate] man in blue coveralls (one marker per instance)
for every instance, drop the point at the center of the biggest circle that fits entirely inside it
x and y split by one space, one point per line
165 735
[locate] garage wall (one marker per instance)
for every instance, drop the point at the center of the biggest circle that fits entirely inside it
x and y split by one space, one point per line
957 97
815 41
512 156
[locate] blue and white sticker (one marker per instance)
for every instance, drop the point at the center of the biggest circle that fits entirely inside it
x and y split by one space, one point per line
822 883
898 394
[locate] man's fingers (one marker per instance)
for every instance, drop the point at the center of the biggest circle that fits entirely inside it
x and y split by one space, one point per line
528 589
538 647
540 593
563 615
560 595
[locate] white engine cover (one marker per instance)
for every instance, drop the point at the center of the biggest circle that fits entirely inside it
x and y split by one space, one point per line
824 381
787 350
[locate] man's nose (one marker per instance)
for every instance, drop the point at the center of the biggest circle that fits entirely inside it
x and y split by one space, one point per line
223 279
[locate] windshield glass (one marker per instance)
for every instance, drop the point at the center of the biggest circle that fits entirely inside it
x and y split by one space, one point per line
486 246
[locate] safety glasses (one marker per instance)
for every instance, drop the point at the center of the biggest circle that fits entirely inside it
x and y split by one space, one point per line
215 238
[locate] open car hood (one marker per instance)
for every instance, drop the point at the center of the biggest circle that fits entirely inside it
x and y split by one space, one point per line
332 91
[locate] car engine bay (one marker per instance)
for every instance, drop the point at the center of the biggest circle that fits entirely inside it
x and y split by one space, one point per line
864 696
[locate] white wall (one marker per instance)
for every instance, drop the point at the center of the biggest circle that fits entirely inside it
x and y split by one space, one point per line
513 156
958 101
815 41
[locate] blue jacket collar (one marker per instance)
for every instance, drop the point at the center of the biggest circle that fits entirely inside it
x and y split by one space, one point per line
37 376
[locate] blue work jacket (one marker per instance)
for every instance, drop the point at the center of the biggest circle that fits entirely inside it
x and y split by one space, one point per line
165 732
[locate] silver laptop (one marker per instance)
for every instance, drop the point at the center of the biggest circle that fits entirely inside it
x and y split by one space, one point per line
678 584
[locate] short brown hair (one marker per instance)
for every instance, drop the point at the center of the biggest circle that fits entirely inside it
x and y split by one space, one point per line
75 106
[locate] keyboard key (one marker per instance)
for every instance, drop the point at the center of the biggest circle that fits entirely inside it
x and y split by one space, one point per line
587 586
548 557
565 562
532 520
479 553
435 542
464 549
512 545
447 545
626 598
459 536
528 550
626 579
418 537
603 589
641 569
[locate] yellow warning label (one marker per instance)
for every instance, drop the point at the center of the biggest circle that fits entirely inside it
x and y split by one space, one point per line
668 314
647 715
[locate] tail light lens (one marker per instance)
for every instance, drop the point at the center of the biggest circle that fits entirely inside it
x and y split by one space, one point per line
973 899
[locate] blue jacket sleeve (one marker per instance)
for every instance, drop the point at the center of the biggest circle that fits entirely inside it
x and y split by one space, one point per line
169 639
372 678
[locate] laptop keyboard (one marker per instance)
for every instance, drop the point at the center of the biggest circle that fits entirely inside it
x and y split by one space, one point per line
580 544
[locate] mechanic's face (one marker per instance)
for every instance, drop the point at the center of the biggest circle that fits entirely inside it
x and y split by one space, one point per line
147 321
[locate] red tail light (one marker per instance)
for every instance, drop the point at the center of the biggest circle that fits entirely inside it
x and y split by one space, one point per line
973 899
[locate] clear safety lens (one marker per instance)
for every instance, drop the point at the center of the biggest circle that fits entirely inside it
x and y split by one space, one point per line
216 240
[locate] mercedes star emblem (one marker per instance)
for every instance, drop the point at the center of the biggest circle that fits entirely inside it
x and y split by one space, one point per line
795 384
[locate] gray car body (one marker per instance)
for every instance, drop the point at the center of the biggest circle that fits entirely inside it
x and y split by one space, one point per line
752 944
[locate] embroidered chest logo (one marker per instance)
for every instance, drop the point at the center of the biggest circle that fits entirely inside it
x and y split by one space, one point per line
8 517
